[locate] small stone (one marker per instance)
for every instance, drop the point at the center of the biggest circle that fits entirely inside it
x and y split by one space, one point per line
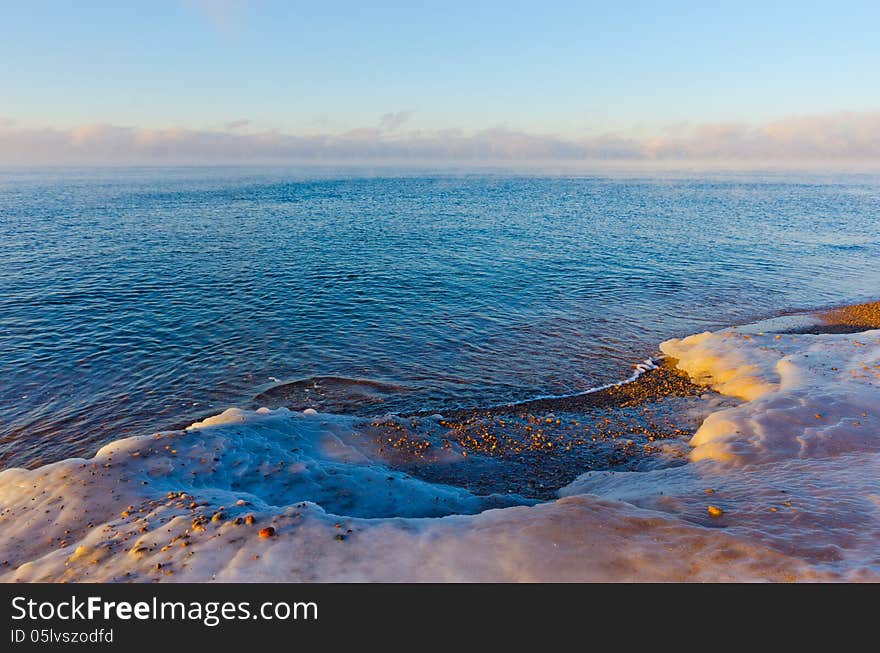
715 511
249 520
267 532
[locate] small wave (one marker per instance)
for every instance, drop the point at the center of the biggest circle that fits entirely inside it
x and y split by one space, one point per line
645 366
334 394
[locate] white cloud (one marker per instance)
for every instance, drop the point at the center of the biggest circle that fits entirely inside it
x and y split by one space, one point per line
839 136
234 125
843 137
391 121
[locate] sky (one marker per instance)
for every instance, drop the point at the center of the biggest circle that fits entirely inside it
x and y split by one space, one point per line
480 80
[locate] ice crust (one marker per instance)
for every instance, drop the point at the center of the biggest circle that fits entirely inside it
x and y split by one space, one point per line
807 396
793 469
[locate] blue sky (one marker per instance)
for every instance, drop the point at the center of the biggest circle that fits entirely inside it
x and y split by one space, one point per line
571 69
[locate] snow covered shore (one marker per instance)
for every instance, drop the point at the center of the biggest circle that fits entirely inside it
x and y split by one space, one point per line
783 486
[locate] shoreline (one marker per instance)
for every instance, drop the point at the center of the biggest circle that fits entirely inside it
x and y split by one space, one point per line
655 378
647 382
791 497
851 318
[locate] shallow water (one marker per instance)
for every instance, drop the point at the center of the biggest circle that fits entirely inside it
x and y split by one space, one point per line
138 299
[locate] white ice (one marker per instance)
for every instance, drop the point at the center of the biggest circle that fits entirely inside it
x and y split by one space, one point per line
793 468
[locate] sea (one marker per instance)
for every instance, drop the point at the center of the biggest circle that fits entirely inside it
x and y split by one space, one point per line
137 299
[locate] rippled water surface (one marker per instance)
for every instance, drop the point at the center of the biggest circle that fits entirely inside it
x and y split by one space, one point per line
140 299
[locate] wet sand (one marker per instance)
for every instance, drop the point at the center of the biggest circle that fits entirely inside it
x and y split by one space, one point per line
534 448
853 318
859 317
653 385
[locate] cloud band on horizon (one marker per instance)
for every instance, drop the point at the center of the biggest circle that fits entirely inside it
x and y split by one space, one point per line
839 137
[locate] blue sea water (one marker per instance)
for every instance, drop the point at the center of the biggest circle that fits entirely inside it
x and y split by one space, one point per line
138 299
